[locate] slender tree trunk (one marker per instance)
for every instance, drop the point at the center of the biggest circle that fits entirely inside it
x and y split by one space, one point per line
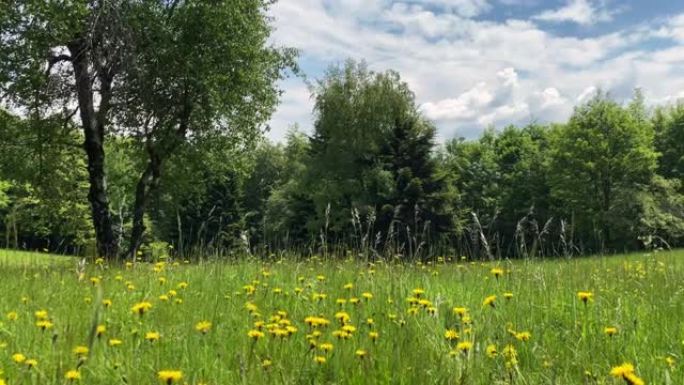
148 182
93 129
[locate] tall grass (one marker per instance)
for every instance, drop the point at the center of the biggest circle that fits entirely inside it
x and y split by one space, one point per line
640 294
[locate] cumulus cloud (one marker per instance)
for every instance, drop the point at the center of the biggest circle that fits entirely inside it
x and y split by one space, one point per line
471 72
582 12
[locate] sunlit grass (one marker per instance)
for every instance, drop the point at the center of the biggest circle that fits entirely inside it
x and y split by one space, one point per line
537 330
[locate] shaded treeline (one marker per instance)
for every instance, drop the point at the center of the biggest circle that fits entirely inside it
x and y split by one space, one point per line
370 180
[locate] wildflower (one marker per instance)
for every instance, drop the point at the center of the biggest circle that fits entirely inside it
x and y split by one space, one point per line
343 317
203 327
44 325
451 335
255 334
361 353
367 295
107 302
341 301
81 351
100 330
18 358
94 280
491 351
354 301
432 310
349 286
251 307
374 336
418 292
164 298
162 280
412 310
170 376
585 296
320 360
31 363
152 336
497 272
41 315
460 311
464 346
670 361
489 301
183 285
326 347
113 342
266 363
73 375
320 278
610 331
626 372
370 322
141 308
508 295
12 316
523 336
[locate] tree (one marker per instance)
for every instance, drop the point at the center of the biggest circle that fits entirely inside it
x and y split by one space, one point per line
601 159
158 71
669 129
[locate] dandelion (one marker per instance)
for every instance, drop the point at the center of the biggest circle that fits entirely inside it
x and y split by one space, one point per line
464 346
523 336
585 296
183 285
170 376
18 358
12 316
490 350
255 334
610 331
72 375
497 272
320 360
451 335
107 303
360 353
152 336
508 295
343 317
31 363
367 295
44 325
164 298
626 372
113 342
141 308
41 315
100 330
266 363
418 292
348 286
373 336
94 280
670 362
460 311
326 347
81 351
203 327
489 301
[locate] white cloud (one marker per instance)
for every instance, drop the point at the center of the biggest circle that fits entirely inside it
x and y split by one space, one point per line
582 12
468 73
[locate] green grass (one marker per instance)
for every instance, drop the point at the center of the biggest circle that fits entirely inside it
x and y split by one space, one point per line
641 295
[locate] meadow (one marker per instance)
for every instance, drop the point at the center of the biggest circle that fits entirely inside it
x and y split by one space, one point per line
600 320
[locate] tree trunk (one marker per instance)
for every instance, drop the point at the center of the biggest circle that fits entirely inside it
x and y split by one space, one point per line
93 129
147 183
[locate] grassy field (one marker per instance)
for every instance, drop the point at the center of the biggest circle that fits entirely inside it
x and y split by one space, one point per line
343 322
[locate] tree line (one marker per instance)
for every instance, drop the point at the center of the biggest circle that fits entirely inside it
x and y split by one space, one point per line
136 127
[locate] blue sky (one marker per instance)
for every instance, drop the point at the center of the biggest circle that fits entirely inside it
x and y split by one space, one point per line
476 63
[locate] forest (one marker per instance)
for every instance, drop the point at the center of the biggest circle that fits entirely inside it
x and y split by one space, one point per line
110 147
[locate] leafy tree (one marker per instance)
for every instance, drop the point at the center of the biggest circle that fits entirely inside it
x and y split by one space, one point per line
157 71
669 127
600 160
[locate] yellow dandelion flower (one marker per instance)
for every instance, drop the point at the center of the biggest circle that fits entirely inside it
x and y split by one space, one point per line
41 315
326 347
203 327
113 342
44 325
508 295
610 331
320 360
107 302
361 353
374 336
464 346
100 330
585 296
367 295
183 285
266 363
460 311
523 336
164 298
348 286
670 361
497 272
72 375
255 334
489 301
12 316
94 280
18 358
141 308
491 351
81 351
31 363
169 376
152 336
451 335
